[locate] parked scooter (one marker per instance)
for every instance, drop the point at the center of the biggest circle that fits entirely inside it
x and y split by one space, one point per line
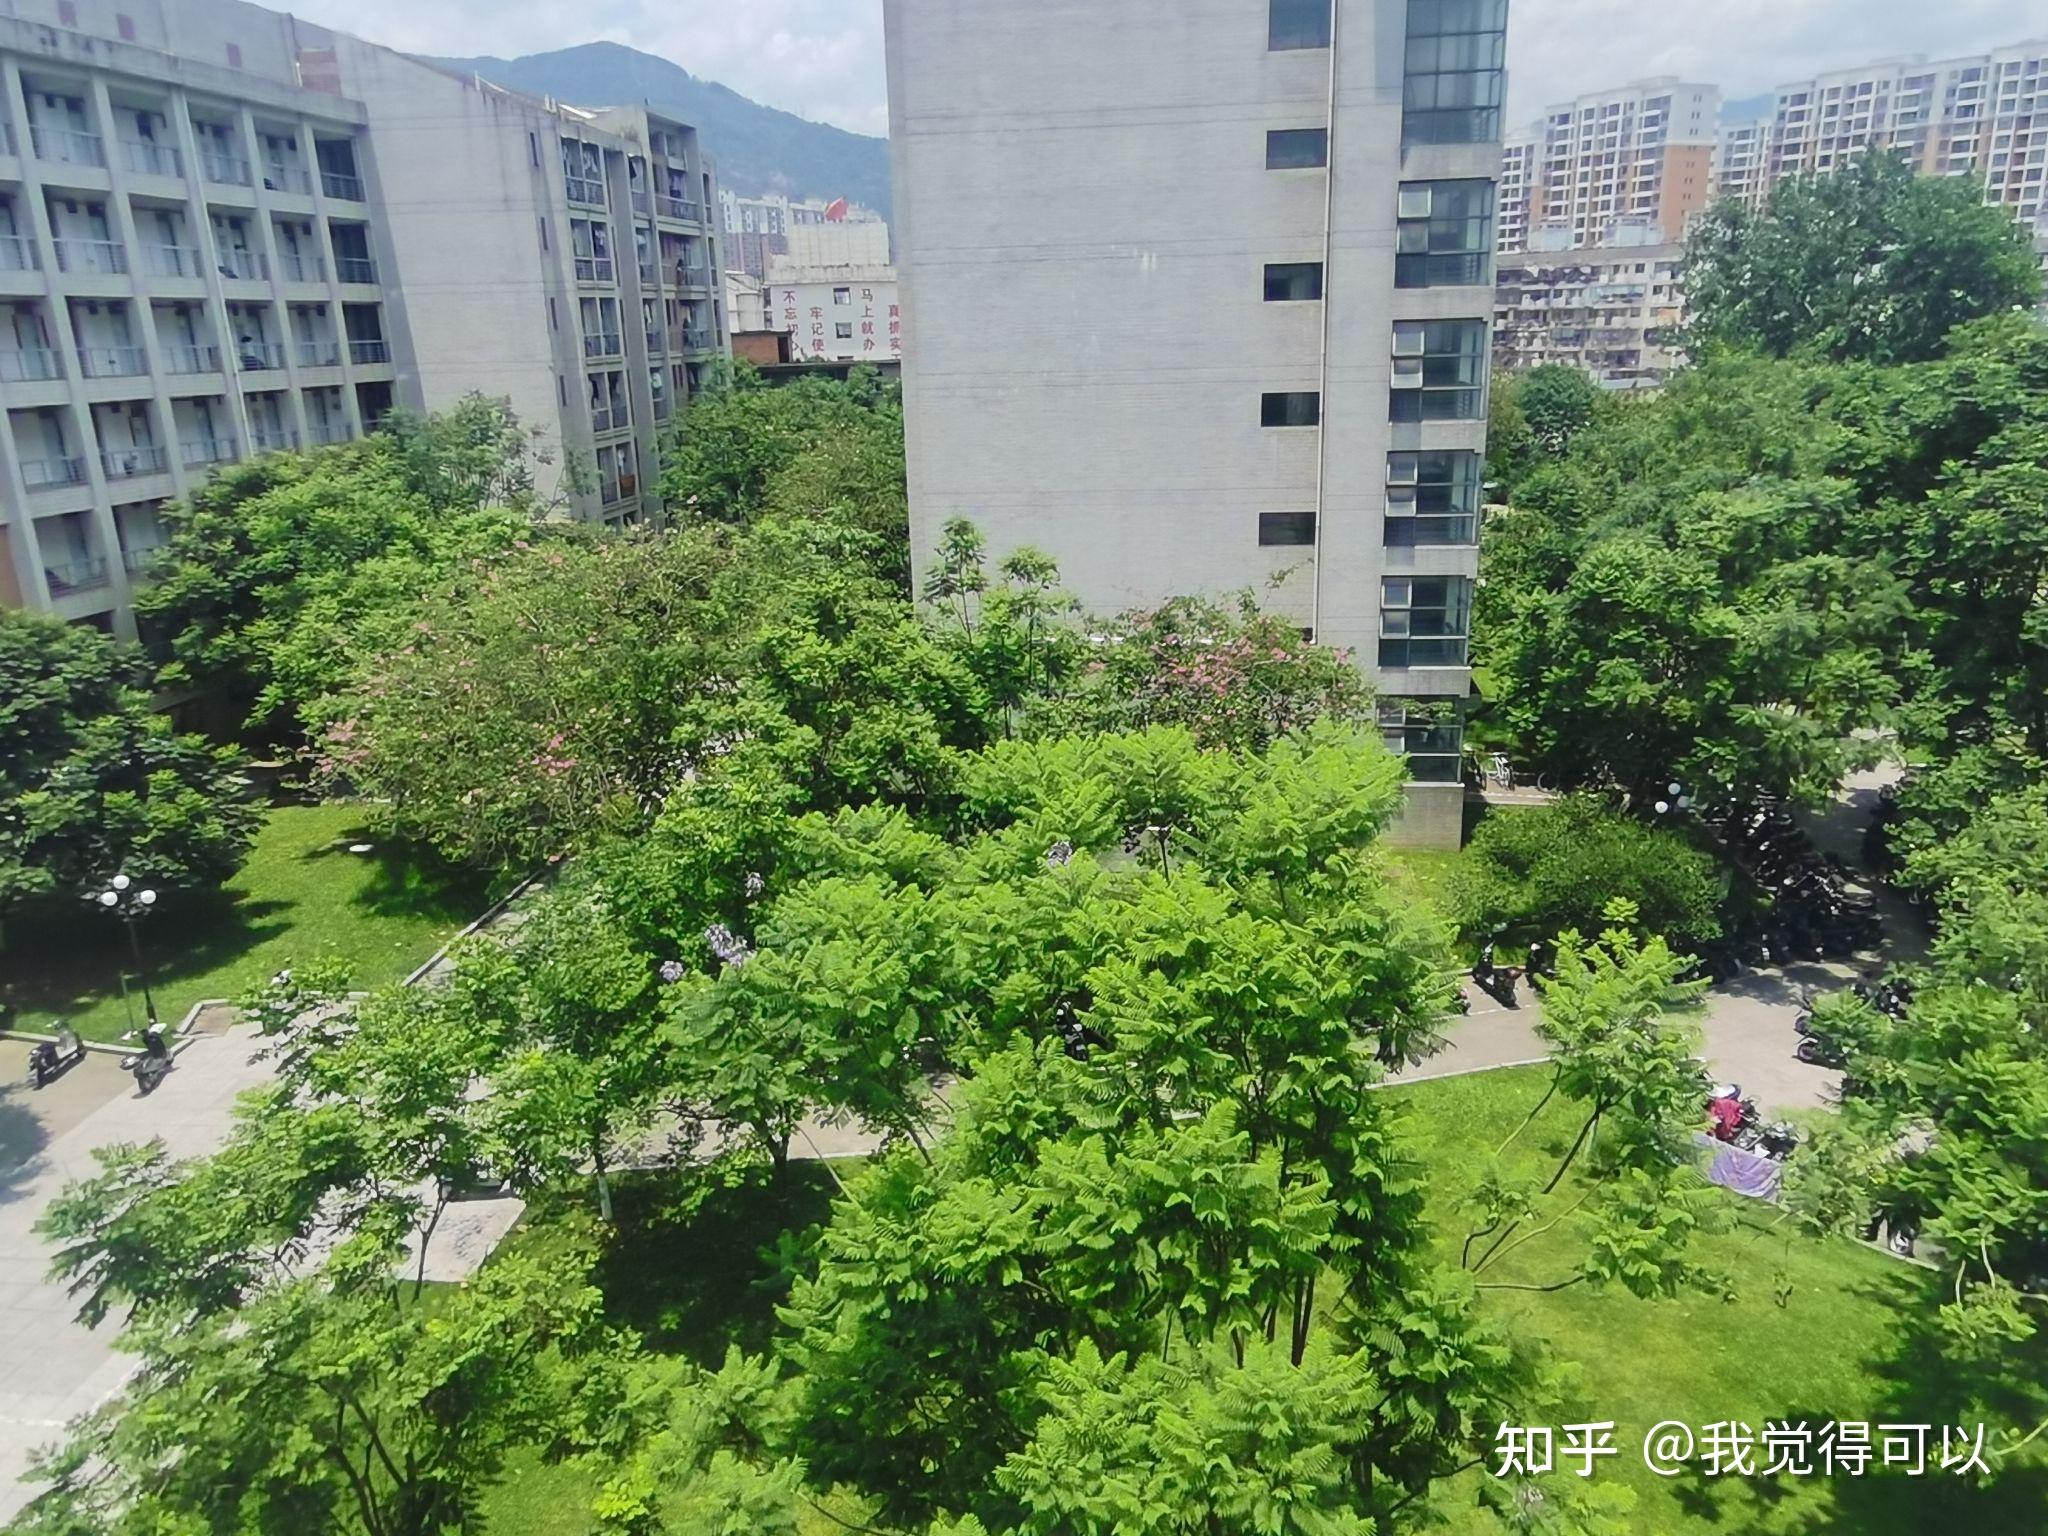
1497 981
150 1064
51 1059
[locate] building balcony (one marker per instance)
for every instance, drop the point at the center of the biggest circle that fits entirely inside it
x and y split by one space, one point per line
138 561
149 159
327 433
618 492
278 177
258 356
68 146
688 276
650 273
16 254
223 170
104 257
372 351
273 439
595 269
585 191
112 362
134 462
319 354
641 200
173 261
355 269
610 419
303 269
655 340
348 189
30 365
698 338
75 576
245 266
603 344
50 474
189 357
678 208
199 452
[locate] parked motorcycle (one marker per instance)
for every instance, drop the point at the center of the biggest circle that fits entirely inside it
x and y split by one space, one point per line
151 1064
51 1059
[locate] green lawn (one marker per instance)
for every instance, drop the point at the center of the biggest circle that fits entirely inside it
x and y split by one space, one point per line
1842 1344
301 893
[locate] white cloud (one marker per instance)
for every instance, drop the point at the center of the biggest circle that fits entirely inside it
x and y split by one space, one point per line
823 58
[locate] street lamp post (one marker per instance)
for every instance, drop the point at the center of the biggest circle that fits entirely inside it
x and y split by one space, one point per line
129 904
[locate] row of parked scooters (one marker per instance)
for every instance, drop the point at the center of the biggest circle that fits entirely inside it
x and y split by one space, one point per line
1818 910
51 1059
1735 1119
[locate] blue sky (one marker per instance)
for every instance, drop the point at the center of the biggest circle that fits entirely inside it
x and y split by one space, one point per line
823 58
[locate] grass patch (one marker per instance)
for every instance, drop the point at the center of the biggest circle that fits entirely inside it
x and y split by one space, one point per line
301 894
695 1272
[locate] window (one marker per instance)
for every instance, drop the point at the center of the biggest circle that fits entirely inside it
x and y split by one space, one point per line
842 295
1297 149
1293 282
234 55
1445 237
1439 370
1287 527
1297 24
543 231
125 25
844 330
1454 75
1428 733
1294 408
1433 498
1424 620
67 13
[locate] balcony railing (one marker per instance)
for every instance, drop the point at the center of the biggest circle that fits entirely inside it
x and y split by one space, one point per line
200 451
75 576
256 356
698 338
245 266
129 463
614 418
371 351
149 159
102 256
654 339
594 269
47 474
650 272
16 254
625 488
327 432
191 357
223 169
28 365
319 354
640 199
689 276
286 178
338 185
173 261
273 439
602 344
303 269
355 269
678 208
585 190
112 362
140 560
68 146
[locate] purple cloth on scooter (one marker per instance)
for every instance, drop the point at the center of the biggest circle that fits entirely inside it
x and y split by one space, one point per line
1747 1173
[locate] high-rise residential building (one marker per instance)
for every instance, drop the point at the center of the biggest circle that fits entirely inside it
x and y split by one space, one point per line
810 233
1267 373
225 231
1630 163
1613 311
1985 116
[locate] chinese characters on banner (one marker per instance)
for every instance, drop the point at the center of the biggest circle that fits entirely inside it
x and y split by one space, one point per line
842 324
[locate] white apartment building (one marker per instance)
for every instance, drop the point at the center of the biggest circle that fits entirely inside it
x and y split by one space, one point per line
1632 163
1614 312
225 231
809 232
1286 394
1985 116
835 314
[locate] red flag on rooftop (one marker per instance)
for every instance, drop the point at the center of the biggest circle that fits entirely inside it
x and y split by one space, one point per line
836 210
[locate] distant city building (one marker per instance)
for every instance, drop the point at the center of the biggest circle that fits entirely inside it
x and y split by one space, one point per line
1984 116
1263 369
225 231
1637 162
841 314
810 233
1613 312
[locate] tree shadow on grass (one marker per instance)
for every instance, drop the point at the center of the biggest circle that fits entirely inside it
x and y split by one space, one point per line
691 1264
60 962
411 881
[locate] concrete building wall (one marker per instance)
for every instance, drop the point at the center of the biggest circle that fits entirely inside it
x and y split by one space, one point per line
836 314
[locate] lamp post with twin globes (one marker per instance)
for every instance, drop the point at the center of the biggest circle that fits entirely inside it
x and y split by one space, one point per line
125 901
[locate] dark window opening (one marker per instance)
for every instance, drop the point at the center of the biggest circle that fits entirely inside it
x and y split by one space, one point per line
1293 282
1291 408
1297 149
1298 24
1287 527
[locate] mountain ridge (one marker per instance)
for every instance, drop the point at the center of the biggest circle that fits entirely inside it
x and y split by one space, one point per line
758 149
